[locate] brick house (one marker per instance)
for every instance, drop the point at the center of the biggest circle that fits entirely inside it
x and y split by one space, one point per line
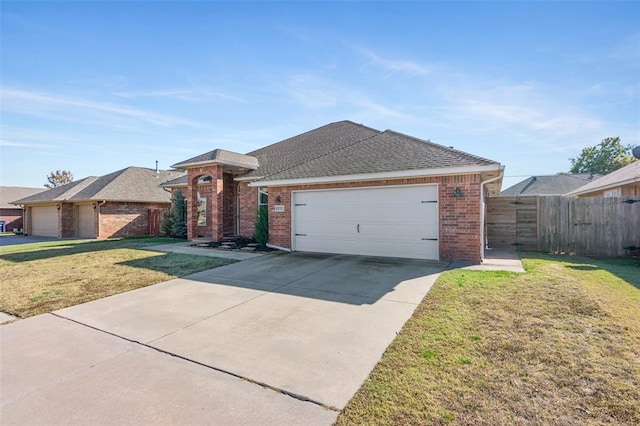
624 182
10 214
346 188
126 203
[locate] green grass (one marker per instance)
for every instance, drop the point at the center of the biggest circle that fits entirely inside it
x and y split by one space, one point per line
42 277
558 345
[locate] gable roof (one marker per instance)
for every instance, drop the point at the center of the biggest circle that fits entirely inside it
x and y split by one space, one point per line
387 151
548 185
10 193
624 176
220 156
133 184
299 149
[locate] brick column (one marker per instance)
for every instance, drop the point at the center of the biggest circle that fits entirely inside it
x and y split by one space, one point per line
212 192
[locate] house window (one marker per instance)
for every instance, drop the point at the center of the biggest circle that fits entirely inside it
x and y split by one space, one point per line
612 193
202 211
263 196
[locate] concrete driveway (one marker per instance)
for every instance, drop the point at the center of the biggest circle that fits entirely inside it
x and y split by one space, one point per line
13 240
279 339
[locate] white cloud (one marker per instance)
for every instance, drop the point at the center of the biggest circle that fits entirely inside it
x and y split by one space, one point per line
397 65
59 106
189 95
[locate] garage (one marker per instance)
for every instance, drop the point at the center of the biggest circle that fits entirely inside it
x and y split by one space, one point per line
86 221
44 221
399 221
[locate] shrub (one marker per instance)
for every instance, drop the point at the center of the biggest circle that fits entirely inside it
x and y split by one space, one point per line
261 229
175 222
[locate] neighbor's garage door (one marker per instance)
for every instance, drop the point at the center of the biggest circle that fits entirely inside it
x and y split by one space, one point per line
399 221
86 221
44 221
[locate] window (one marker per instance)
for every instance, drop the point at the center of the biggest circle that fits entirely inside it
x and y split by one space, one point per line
202 211
612 193
263 196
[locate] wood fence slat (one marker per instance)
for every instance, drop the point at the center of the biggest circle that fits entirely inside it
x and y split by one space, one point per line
585 226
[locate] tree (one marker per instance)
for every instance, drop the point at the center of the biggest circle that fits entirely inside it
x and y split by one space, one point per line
261 230
58 178
175 222
604 158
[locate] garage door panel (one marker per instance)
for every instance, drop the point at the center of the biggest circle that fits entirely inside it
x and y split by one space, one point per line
44 221
392 221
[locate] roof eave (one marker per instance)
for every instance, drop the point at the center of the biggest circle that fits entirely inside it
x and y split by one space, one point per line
399 174
184 166
604 187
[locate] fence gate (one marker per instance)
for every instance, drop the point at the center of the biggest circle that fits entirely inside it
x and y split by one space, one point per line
154 221
512 223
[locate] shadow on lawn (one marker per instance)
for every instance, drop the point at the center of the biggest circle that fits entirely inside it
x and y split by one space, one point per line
176 264
67 248
624 268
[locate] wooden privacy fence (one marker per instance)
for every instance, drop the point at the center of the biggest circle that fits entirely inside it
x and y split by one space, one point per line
586 226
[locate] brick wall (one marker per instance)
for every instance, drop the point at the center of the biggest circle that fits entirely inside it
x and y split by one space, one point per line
248 209
215 201
66 220
459 221
120 219
229 204
13 218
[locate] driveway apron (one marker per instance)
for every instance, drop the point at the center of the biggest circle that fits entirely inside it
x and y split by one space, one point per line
306 329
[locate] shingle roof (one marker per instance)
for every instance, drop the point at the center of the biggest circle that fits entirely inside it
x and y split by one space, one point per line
221 156
134 184
548 185
307 146
386 151
627 174
11 193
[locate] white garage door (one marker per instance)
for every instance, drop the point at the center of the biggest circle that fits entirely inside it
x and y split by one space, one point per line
86 222
397 221
44 221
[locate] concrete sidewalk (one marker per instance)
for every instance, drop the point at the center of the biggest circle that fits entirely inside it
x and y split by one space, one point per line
186 248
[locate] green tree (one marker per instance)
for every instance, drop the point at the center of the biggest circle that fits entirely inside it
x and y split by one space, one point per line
58 178
261 229
175 222
604 158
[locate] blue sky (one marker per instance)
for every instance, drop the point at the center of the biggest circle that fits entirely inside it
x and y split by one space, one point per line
94 87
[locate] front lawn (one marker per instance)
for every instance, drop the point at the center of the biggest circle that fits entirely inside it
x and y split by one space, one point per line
558 345
43 277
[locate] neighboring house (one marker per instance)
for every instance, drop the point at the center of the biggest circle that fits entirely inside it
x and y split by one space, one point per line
346 188
126 203
624 182
10 214
561 184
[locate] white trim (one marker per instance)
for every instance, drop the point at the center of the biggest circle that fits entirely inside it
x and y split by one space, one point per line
293 210
604 187
244 179
380 176
223 162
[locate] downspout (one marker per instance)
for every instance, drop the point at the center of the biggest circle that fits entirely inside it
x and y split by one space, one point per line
483 208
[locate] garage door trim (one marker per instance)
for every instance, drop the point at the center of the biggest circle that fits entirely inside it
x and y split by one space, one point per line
435 219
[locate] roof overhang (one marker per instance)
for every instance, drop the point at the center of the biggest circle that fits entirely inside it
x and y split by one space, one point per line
604 187
400 174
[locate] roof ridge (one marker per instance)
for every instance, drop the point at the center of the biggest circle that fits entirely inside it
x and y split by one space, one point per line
329 152
429 141
313 130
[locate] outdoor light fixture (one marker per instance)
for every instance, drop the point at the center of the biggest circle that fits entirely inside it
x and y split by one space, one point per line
58 206
457 192
95 205
278 199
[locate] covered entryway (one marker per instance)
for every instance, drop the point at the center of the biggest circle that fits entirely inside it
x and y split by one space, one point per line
86 221
44 221
399 221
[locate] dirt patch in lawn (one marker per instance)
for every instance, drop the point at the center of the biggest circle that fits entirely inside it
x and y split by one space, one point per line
39 278
558 345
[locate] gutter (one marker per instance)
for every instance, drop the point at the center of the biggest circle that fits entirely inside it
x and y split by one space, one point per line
482 215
